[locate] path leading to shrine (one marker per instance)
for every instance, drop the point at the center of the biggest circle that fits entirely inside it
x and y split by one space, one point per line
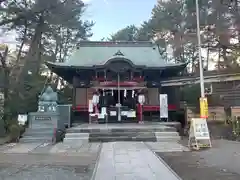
79 160
131 161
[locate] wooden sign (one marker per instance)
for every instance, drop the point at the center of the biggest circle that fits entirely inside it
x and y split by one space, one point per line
43 118
199 136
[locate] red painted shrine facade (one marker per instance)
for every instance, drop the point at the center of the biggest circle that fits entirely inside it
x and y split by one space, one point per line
118 72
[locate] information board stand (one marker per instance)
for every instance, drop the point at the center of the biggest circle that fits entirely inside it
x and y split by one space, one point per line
199 136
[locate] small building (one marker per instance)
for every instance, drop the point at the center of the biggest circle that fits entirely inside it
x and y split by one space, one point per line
118 72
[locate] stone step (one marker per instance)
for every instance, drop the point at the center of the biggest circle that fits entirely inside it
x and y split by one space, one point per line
168 138
143 129
139 138
38 131
41 125
37 135
166 133
76 135
122 138
77 138
102 134
35 139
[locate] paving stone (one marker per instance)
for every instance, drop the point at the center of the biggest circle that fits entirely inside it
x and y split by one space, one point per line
125 177
166 146
23 148
139 163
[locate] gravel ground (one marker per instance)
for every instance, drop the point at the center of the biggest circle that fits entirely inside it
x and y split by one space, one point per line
221 162
44 172
46 167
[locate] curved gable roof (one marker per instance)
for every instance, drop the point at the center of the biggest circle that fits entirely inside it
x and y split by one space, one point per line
92 53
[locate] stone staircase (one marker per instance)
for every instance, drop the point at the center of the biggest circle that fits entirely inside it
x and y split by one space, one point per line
122 132
38 132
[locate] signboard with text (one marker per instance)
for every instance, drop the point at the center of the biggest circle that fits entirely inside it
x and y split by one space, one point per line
163 99
199 135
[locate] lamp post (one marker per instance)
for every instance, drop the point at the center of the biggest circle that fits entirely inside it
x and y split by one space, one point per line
200 51
119 98
203 100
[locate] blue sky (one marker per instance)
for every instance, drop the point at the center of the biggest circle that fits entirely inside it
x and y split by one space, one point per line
111 15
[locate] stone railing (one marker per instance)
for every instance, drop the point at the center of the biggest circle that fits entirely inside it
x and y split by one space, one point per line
216 113
235 111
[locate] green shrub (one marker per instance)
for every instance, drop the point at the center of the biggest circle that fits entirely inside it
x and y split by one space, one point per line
14 132
60 135
236 126
22 129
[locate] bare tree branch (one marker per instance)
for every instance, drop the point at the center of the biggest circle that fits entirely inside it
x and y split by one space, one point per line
28 14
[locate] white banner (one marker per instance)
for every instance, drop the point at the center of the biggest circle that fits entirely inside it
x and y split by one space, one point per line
163 99
90 106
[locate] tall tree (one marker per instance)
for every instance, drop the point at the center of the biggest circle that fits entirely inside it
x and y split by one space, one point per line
128 33
47 30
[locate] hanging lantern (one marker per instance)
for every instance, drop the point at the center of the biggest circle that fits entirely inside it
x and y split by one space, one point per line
133 93
103 92
141 99
95 99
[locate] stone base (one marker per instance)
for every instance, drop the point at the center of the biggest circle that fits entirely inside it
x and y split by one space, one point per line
41 127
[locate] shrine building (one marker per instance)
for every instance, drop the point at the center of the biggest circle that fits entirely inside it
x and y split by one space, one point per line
114 75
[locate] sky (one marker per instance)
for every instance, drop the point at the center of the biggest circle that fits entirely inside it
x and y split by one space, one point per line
112 15
109 17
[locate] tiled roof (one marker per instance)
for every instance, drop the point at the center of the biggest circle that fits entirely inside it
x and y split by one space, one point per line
91 53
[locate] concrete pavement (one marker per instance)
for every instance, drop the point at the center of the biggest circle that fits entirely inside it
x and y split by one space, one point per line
117 160
130 161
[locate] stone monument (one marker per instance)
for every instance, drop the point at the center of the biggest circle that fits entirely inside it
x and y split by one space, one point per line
48 101
46 119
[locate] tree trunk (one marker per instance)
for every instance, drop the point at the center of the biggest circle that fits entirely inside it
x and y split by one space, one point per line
219 59
32 63
225 59
23 42
208 53
6 84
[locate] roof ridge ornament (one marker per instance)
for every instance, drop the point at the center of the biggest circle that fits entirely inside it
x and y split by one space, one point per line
118 53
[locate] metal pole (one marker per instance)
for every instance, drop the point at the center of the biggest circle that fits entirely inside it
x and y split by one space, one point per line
199 52
119 112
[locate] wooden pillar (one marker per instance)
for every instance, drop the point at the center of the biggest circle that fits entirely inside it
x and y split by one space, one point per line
74 84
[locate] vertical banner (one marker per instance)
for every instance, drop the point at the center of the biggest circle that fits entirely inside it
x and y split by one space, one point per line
90 106
163 99
203 108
